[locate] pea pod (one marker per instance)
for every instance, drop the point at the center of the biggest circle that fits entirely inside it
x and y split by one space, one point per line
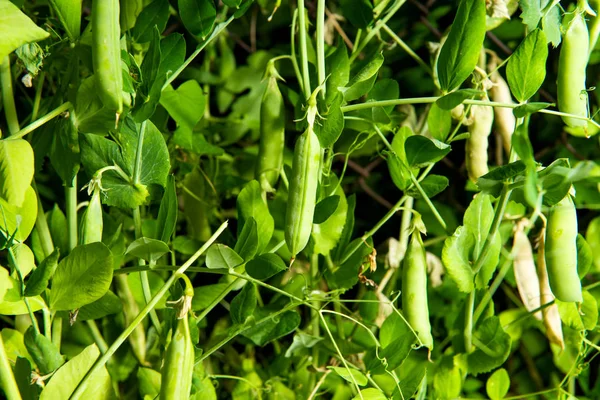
92 224
302 191
561 251
106 53
414 290
178 364
526 276
504 119
272 130
572 63
476 147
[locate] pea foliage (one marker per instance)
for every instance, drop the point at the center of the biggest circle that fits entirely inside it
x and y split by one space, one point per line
299 199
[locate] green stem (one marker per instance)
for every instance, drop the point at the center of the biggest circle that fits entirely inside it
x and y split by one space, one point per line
161 292
71 204
38 96
97 335
10 110
314 281
57 332
500 209
407 49
7 378
375 228
321 43
378 25
42 120
468 332
303 51
13 261
293 51
427 200
218 29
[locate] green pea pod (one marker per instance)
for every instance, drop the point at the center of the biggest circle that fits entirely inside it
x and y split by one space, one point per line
561 251
303 191
178 364
572 63
92 224
106 53
272 136
414 290
476 146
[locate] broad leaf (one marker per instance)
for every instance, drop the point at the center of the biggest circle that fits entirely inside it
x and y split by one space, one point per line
221 256
243 304
498 384
155 14
38 281
20 219
16 169
250 203
45 354
421 151
16 29
526 69
265 266
167 213
492 347
460 52
185 104
148 249
272 328
198 16
69 14
82 277
351 375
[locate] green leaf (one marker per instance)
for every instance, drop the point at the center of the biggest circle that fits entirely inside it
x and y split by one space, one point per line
205 295
38 281
422 151
272 328
247 242
264 266
439 122
451 100
498 384
529 108
384 89
325 208
364 79
82 277
155 14
460 52
185 105
551 26
592 235
348 229
108 304
22 370
69 14
455 256
250 203
65 152
20 219
345 276
16 29
90 115
150 90
167 213
66 379
492 347
432 185
325 235
526 69
198 16
358 12
370 394
585 318
584 256
11 302
447 380
332 126
16 168
24 260
45 354
337 65
243 304
148 249
493 182
149 382
172 54
351 375
532 12
221 256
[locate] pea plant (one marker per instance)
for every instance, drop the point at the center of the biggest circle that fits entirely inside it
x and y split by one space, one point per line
343 199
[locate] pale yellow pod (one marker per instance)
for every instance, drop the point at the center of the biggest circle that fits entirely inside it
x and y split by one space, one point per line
526 276
476 147
551 315
504 119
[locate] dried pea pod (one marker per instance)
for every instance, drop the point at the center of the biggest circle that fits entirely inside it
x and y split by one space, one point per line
106 53
504 119
524 268
302 194
552 320
414 290
572 63
561 251
476 147
272 136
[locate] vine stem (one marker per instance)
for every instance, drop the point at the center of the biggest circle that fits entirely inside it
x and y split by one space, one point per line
378 25
407 49
7 378
42 120
321 44
303 51
100 362
8 100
